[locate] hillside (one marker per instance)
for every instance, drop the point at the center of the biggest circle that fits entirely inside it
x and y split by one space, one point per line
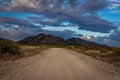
50 39
78 41
2 39
42 38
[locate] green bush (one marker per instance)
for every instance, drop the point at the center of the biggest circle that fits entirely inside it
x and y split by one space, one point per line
9 48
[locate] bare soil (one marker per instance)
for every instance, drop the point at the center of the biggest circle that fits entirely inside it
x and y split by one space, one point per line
60 64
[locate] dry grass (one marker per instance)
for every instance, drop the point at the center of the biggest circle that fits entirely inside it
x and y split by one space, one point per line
26 51
32 50
106 55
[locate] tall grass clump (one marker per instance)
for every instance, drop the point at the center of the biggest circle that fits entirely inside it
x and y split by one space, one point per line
8 48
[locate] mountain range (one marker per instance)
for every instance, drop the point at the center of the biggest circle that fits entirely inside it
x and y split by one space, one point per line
50 39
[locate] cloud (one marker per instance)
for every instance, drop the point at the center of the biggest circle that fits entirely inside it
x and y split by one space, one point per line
20 33
14 21
111 40
82 14
114 6
94 5
15 34
115 36
23 3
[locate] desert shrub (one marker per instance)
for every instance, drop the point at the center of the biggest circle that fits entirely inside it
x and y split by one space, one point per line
9 48
116 50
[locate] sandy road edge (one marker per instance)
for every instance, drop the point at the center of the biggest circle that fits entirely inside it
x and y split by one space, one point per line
115 71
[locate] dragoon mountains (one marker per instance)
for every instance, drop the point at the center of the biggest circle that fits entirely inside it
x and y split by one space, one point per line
50 39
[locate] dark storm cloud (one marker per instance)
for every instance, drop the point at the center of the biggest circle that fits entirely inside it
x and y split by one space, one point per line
93 23
82 14
14 21
56 21
94 5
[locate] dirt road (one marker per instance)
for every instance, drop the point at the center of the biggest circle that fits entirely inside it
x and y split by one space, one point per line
61 64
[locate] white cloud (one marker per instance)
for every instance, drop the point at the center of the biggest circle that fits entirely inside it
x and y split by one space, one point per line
114 6
86 37
23 3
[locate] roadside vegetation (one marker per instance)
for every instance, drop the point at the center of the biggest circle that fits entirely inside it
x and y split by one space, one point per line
29 50
107 54
9 49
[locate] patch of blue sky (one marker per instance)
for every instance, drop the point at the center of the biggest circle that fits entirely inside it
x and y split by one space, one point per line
5 27
75 29
110 16
65 23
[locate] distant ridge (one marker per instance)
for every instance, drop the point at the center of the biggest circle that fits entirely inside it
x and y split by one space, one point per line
78 41
2 39
42 38
50 39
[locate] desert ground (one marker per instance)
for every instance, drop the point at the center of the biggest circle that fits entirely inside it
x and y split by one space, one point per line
60 64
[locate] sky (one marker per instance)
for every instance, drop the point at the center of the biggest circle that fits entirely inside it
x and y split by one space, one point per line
94 20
